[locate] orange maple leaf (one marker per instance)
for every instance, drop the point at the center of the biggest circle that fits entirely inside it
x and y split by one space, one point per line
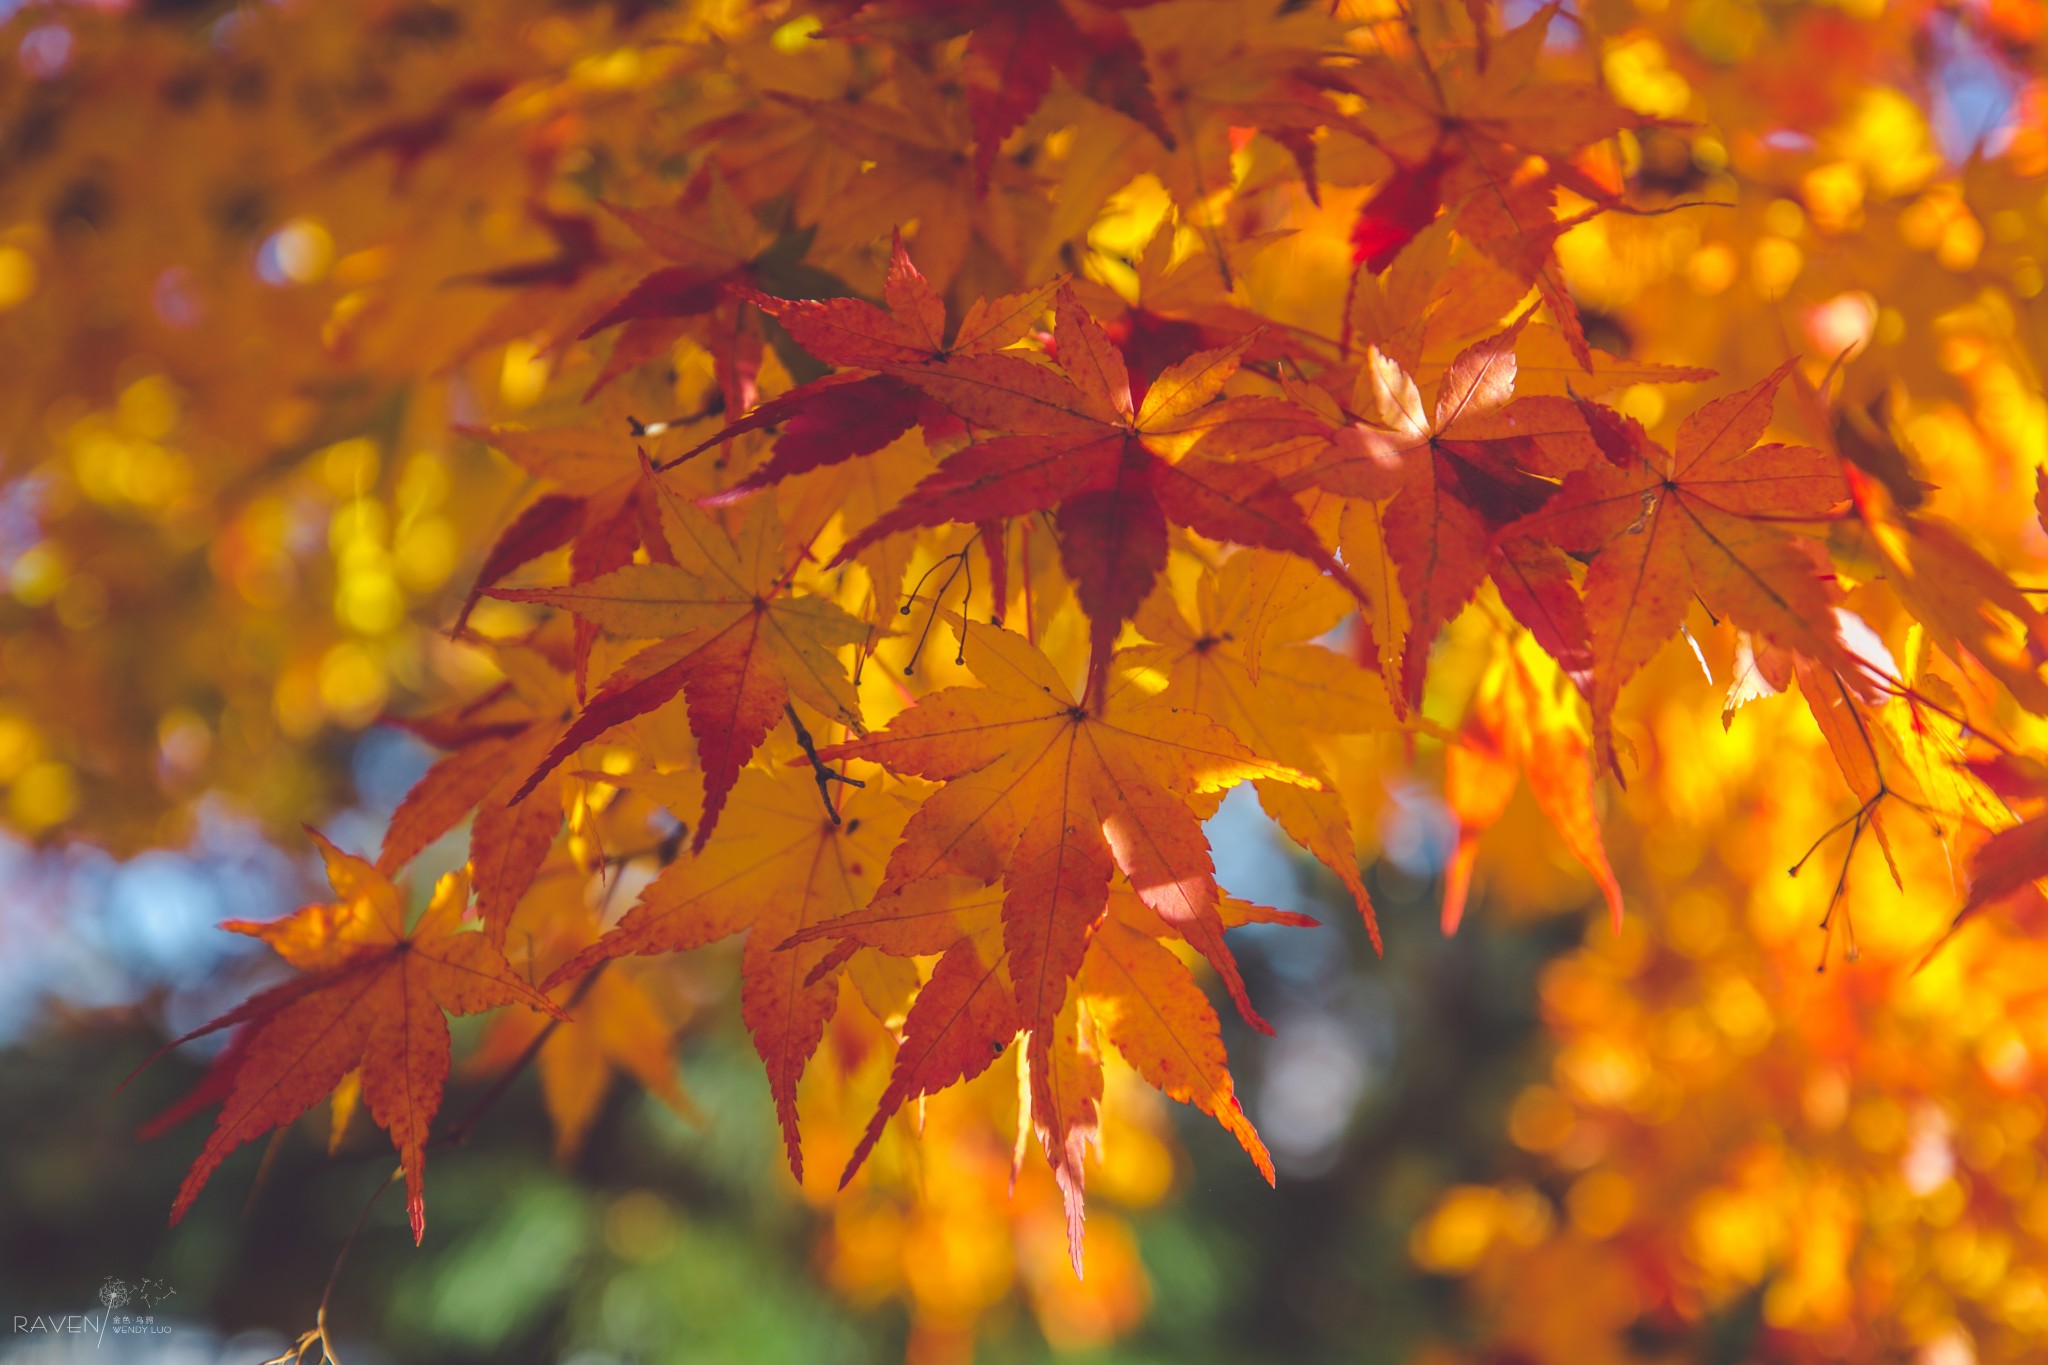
734 640
372 996
1486 136
598 508
1517 725
1157 1017
1301 689
1052 799
1130 987
782 867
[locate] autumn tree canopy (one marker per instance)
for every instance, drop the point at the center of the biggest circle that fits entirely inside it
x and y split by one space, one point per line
866 480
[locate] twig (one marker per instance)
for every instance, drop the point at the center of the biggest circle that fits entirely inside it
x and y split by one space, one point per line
317 1337
826 777
458 1133
958 559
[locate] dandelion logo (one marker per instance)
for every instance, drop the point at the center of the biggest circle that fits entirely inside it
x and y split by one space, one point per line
114 1295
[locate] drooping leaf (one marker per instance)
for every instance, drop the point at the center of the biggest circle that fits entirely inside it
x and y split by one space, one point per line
1302 690
1522 723
781 866
371 995
1156 1016
1050 798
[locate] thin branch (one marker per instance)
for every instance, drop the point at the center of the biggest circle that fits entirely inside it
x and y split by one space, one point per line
958 559
826 776
458 1133
317 1337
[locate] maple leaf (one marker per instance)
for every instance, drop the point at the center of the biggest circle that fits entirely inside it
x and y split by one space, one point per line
1130 988
1707 518
706 241
1452 477
1437 294
850 414
1962 601
1114 466
1176 305
599 505
1301 689
1398 208
1236 73
371 995
1052 798
1158 1019
1012 52
1464 133
783 865
767 148
962 1019
1968 604
914 170
735 640
2004 864
1517 725
597 509
964 1015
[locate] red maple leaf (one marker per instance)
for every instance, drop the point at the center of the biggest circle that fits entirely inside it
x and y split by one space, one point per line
861 409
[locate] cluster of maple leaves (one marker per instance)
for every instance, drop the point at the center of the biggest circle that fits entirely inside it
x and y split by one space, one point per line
1052 795
1210 536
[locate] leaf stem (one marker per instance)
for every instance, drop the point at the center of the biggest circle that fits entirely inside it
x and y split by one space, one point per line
826 776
